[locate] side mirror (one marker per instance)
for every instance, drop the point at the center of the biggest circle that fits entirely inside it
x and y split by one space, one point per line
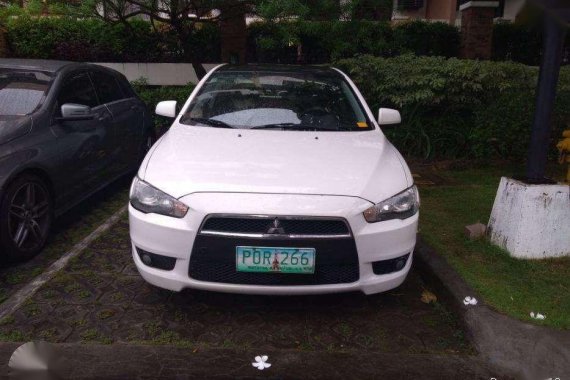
166 108
71 111
388 116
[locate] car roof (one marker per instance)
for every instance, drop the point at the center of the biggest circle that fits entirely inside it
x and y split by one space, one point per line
45 65
308 69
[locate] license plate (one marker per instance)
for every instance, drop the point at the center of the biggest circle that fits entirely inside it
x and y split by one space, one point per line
275 260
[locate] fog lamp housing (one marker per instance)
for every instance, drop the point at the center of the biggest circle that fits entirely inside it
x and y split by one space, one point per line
156 261
391 265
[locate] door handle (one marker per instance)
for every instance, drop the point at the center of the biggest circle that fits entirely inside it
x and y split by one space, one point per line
134 107
103 118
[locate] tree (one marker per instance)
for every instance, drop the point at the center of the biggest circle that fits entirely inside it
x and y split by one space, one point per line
181 17
377 10
293 19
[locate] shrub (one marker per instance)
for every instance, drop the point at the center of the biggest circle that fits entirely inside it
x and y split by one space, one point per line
457 108
97 41
520 43
328 40
427 38
267 42
81 40
323 41
151 95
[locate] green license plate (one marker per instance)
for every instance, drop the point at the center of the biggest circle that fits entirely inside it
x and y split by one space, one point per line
275 260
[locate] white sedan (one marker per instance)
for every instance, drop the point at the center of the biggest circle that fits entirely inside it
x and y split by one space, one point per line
274 180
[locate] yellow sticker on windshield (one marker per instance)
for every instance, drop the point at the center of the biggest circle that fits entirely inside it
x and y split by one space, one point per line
362 124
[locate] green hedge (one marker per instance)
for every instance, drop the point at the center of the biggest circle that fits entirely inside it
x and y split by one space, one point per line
450 108
427 38
151 95
457 108
97 41
519 43
323 41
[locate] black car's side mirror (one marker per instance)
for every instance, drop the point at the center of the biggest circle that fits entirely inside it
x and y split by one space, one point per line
73 112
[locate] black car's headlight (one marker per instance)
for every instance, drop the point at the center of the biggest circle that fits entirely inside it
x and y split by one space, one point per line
400 206
149 199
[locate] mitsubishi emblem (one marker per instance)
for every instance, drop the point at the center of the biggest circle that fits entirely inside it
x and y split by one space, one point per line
275 228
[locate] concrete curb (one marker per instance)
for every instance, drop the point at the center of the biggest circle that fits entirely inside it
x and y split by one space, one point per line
520 349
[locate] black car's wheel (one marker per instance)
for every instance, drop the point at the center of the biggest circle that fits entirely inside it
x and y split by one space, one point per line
26 217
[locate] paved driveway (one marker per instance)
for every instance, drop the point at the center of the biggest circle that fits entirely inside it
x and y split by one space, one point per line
100 297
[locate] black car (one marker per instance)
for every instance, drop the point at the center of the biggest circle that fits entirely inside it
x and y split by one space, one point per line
66 130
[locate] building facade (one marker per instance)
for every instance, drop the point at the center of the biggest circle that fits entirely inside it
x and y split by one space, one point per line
449 11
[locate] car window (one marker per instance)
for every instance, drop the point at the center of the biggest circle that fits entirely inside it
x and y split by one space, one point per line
282 100
107 87
22 91
126 87
78 89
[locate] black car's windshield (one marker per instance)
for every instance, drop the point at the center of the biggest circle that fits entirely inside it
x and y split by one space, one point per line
303 100
22 91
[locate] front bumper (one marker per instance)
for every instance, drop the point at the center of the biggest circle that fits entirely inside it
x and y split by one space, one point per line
173 237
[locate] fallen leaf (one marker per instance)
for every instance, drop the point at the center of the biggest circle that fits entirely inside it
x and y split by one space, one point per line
428 297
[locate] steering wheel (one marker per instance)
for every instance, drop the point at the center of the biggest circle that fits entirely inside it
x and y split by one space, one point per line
315 112
320 118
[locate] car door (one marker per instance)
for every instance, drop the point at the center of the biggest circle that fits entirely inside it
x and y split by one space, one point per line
128 116
85 144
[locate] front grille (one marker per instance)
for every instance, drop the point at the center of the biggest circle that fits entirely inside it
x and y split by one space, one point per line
289 226
213 257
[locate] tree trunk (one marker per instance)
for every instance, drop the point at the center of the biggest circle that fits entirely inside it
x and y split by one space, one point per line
185 38
199 69
233 34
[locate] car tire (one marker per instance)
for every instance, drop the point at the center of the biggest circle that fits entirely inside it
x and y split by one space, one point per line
26 215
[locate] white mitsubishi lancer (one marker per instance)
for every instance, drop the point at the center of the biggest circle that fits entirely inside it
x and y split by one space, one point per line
274 180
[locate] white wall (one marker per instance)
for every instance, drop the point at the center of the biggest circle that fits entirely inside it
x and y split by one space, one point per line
163 74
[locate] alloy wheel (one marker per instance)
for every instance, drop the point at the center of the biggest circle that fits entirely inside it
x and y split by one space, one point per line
29 216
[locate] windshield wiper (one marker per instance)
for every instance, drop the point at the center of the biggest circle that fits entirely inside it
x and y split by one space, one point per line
210 122
292 126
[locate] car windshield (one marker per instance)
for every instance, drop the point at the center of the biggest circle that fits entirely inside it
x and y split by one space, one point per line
304 100
22 91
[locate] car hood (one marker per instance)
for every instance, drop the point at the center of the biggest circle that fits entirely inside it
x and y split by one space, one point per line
201 159
12 127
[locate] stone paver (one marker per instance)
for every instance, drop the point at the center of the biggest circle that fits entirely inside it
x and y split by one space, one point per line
67 230
100 297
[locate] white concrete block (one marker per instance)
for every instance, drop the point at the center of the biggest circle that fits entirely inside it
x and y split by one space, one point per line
531 221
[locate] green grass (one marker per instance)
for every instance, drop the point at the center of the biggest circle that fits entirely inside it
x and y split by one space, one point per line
512 286
92 335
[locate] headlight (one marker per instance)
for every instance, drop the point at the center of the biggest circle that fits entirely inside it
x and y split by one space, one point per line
400 206
149 199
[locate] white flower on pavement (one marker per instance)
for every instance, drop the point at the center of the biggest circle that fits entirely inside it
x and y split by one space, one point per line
469 301
537 315
261 362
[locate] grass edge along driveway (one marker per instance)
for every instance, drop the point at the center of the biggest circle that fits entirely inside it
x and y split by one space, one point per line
512 286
